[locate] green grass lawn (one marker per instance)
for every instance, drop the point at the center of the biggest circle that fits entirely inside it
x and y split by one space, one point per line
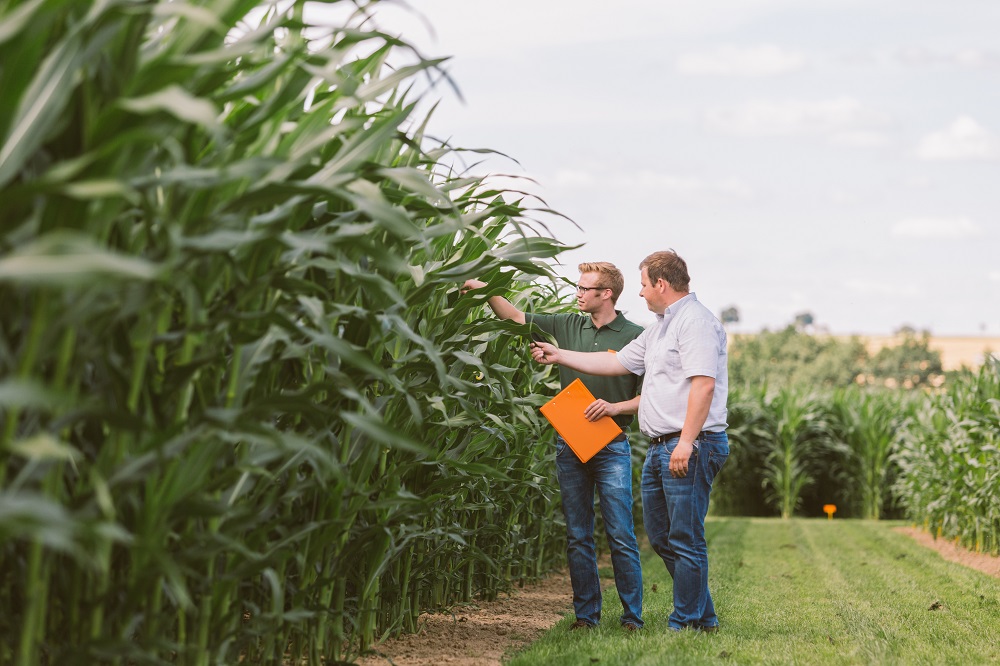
802 591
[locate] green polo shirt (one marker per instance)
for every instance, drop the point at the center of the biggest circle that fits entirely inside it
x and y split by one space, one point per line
578 333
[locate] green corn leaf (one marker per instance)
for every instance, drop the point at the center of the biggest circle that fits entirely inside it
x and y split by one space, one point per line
179 103
41 106
66 259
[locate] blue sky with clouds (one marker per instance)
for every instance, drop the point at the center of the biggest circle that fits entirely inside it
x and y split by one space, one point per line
839 157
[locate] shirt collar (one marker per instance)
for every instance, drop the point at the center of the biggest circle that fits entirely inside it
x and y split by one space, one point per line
616 324
677 306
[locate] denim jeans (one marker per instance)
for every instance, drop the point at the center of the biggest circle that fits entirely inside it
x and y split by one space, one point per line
674 511
610 473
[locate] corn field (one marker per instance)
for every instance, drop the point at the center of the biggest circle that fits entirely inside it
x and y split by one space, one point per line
932 457
949 461
246 413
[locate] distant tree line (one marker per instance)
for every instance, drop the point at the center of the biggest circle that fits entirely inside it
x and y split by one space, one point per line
792 357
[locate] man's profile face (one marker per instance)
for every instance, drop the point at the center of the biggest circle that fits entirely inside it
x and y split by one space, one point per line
651 294
590 292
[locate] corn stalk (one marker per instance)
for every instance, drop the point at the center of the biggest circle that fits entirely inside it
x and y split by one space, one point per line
247 415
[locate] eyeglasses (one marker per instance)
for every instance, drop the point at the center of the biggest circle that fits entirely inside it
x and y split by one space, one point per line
580 289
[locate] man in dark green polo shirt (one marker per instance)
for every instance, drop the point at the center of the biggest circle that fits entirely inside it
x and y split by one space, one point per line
609 472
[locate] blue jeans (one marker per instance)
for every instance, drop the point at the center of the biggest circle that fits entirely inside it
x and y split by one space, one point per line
610 473
674 511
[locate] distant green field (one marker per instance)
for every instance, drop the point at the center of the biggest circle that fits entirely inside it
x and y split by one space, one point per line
803 591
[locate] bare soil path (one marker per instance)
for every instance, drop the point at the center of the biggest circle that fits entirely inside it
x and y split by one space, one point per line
989 564
481 633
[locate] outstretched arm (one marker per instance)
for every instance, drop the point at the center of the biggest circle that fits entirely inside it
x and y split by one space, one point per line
500 305
592 363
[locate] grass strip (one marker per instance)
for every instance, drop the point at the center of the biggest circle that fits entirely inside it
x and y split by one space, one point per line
802 591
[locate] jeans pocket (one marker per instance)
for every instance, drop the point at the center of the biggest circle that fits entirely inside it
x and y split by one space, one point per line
621 448
715 461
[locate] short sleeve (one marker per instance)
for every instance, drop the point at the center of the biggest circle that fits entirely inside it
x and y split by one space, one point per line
633 355
698 342
546 322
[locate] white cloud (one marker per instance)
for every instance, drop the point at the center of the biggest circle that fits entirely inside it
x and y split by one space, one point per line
574 178
736 188
925 58
860 139
682 187
994 276
964 139
843 197
477 29
671 185
871 287
794 117
765 60
977 58
936 227
653 180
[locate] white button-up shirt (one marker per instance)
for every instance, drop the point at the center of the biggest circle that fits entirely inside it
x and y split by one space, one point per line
687 340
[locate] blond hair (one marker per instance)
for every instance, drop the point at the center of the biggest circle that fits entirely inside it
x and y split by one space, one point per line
611 277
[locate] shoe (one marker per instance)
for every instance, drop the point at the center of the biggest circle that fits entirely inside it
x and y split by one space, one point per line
631 628
709 630
581 624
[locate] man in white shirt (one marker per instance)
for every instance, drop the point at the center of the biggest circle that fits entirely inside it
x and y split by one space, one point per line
683 411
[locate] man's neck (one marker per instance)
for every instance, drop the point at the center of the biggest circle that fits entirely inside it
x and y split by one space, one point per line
675 296
603 317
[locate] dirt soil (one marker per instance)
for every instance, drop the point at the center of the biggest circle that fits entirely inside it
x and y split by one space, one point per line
481 634
989 564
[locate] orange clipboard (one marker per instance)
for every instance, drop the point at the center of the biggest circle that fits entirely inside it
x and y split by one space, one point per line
565 413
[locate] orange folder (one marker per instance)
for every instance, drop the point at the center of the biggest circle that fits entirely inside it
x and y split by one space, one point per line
565 413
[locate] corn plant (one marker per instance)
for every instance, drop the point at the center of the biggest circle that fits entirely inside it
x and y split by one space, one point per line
246 413
737 492
949 460
869 424
797 433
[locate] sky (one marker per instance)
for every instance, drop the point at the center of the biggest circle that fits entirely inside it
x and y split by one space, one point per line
836 157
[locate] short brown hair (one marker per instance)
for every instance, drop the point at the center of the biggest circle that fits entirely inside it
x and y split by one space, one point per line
667 265
611 277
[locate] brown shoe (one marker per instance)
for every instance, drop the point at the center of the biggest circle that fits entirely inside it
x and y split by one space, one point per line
581 624
709 630
631 628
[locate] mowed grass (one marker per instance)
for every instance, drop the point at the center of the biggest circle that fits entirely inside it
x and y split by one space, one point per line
803 591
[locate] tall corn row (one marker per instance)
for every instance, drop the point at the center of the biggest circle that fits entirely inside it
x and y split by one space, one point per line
934 456
797 425
246 414
870 425
808 449
751 438
950 461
